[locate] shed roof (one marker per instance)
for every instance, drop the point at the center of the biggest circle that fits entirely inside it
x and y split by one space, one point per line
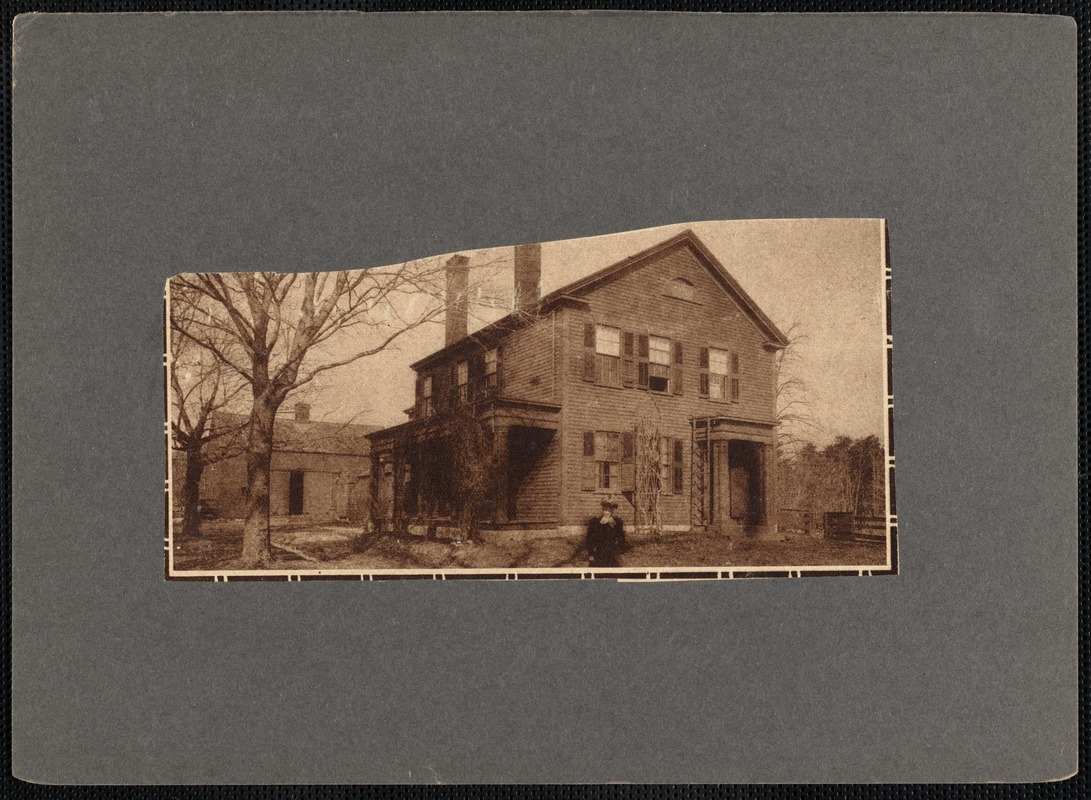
335 438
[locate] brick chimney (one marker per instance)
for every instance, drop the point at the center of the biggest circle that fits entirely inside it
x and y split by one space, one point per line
302 412
528 276
458 302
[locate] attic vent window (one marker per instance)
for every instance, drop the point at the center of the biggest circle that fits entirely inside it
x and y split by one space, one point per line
680 288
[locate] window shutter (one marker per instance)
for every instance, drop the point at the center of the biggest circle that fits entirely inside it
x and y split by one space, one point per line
735 377
589 370
702 389
677 465
676 370
642 361
590 466
419 394
667 480
589 367
628 361
499 369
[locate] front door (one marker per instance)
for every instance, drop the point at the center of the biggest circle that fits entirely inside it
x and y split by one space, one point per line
736 480
295 492
746 495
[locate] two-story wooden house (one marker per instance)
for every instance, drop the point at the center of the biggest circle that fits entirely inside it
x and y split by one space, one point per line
652 381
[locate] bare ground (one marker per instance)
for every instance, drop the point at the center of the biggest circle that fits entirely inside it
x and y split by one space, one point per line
299 544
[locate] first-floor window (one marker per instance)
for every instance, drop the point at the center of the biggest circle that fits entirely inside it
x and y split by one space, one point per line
608 455
671 464
608 458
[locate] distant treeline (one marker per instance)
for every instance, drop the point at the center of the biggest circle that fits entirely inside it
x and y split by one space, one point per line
846 475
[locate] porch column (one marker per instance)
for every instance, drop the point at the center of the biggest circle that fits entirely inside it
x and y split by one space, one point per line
500 445
769 486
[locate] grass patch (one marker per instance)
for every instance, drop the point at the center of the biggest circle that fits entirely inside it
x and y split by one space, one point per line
347 547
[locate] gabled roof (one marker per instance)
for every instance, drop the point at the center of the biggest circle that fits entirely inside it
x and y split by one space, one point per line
335 438
572 294
704 255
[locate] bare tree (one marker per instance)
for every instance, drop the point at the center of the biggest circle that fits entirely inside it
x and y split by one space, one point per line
475 484
201 386
271 329
796 425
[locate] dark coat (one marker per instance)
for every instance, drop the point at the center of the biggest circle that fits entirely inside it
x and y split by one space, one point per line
605 542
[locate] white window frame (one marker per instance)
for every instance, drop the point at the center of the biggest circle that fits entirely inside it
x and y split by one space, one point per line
426 395
462 372
659 363
718 386
608 353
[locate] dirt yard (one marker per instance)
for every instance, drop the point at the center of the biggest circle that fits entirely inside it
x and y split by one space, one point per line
306 546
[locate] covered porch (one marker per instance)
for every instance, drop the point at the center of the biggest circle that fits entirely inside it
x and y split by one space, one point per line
734 476
492 464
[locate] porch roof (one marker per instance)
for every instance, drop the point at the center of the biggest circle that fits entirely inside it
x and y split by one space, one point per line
502 411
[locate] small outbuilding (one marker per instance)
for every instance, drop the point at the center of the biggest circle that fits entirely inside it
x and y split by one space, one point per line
320 470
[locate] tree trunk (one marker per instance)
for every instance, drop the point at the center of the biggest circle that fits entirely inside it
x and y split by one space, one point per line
191 491
256 545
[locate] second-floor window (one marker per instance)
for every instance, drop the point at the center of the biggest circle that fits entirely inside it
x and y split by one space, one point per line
615 357
608 354
462 373
659 364
720 374
426 396
492 370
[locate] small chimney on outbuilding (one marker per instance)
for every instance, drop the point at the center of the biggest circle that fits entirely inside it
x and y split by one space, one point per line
528 276
457 317
302 412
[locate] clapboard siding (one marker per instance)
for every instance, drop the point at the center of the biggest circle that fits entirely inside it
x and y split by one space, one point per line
637 302
545 360
223 483
527 367
527 364
538 499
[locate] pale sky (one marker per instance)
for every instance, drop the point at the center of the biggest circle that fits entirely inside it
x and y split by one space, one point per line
824 276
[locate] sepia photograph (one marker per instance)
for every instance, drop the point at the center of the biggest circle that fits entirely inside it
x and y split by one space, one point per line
702 400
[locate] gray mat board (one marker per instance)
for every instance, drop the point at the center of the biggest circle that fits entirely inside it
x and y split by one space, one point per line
148 145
